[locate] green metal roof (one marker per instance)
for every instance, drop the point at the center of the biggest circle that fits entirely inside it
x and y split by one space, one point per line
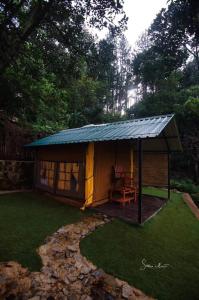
131 129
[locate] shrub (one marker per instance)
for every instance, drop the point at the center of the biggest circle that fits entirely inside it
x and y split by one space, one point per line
185 185
196 198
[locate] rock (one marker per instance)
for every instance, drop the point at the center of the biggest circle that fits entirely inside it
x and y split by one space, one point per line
72 277
73 248
76 287
85 297
85 270
14 280
99 274
127 292
73 297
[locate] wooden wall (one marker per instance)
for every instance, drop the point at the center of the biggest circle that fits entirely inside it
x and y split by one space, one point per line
70 153
106 156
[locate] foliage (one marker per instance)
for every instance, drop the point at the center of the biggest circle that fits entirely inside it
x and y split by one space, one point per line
52 92
184 185
192 105
175 32
187 186
63 20
171 237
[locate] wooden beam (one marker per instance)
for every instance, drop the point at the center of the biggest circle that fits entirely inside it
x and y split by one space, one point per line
161 137
139 181
168 167
169 181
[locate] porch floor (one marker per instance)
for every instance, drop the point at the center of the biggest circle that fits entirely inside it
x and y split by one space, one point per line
129 213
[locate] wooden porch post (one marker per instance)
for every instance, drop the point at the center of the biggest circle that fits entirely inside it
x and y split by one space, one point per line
139 181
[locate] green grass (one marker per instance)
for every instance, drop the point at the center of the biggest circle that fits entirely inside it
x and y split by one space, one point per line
26 219
172 237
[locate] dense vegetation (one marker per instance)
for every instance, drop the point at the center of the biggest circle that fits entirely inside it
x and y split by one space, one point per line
55 73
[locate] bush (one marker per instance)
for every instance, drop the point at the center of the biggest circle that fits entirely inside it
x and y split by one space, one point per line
196 198
185 186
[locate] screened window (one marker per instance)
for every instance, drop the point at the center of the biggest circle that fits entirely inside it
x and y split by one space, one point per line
62 178
68 176
46 173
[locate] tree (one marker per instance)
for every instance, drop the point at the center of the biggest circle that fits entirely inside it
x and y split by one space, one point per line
124 73
65 19
175 30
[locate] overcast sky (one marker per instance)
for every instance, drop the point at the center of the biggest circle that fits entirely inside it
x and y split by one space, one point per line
141 14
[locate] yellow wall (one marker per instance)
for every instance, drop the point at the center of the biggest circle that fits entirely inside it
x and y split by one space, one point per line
89 168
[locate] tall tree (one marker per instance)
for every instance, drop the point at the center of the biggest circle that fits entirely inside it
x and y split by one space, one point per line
175 30
20 19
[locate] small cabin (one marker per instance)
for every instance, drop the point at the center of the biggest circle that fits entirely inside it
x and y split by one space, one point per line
82 163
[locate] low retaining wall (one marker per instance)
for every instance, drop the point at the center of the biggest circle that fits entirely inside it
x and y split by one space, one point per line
188 200
65 274
16 174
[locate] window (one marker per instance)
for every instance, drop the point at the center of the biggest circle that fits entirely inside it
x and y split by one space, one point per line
46 173
64 178
68 177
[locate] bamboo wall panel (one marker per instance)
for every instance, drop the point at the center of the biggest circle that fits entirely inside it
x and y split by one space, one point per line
155 169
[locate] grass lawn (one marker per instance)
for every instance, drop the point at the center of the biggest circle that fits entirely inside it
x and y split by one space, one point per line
26 219
172 237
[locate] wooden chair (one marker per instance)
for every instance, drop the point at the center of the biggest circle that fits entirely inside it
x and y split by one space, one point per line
123 189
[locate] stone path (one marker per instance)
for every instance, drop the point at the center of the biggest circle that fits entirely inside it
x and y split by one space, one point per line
65 274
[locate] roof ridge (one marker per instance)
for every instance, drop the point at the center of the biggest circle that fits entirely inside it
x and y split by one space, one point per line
118 122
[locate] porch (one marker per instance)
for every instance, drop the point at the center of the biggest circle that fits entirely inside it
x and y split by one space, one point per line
150 206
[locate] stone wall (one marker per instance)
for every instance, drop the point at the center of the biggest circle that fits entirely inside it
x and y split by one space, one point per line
16 174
